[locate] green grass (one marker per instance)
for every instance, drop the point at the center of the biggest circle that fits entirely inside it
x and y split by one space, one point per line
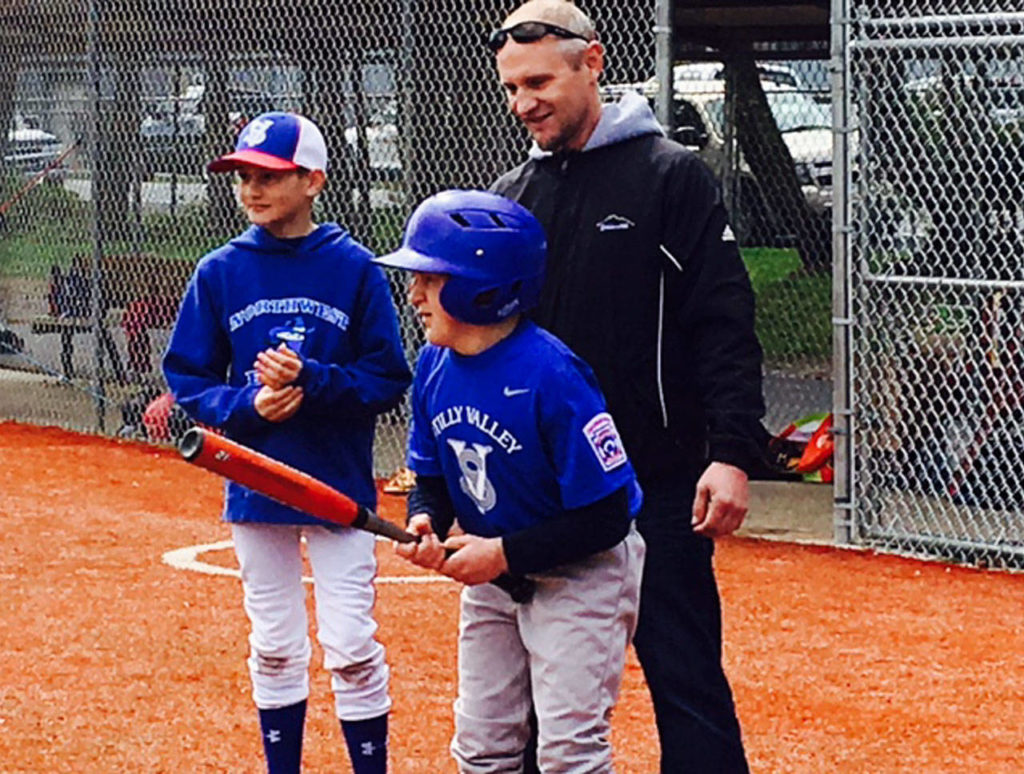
386 228
31 255
794 309
768 265
58 227
52 226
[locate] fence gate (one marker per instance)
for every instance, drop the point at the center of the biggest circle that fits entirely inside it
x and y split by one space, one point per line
930 276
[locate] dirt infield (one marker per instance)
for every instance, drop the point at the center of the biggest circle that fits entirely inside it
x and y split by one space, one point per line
113 660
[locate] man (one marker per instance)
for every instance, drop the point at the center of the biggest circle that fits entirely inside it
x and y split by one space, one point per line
646 284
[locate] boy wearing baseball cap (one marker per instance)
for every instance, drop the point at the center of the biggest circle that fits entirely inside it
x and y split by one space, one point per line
287 341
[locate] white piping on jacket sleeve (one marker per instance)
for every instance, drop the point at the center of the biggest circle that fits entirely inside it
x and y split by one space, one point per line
661 326
671 257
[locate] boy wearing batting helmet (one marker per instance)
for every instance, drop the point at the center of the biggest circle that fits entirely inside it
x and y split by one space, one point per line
512 442
287 341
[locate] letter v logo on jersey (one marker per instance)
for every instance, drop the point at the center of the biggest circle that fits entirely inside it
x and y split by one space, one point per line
474 482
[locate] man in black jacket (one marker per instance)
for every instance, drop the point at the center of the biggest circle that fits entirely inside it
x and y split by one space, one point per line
645 282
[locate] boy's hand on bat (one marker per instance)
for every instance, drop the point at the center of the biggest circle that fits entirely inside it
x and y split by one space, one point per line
476 559
428 552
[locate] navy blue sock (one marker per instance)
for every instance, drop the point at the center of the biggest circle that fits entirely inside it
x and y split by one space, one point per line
367 742
282 737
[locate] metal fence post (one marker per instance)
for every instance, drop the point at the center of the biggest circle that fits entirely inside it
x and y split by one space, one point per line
96 273
663 63
842 368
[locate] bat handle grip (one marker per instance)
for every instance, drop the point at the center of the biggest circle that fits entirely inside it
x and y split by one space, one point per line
519 587
371 522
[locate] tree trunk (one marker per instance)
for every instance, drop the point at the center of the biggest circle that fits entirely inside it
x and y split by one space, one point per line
117 151
222 221
772 165
456 129
12 42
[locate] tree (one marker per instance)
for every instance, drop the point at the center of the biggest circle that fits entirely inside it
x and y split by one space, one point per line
12 42
772 165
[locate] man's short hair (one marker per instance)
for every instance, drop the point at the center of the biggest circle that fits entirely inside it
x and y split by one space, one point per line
564 13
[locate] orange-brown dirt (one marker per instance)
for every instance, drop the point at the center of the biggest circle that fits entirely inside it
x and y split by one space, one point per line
114 661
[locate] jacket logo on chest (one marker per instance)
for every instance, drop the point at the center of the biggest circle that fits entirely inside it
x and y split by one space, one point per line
614 223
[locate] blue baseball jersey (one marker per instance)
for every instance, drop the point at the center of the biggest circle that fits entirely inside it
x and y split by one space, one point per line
520 432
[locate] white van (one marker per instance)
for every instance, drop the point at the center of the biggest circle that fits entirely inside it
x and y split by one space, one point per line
805 125
30 150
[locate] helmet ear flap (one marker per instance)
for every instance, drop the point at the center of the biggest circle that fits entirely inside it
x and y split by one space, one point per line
475 301
484 303
458 298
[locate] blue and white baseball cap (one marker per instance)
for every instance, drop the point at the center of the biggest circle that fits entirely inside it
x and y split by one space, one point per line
280 141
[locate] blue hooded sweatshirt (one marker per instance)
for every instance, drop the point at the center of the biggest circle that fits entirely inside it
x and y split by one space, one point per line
320 295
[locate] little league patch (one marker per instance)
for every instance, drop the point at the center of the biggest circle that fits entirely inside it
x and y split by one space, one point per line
604 440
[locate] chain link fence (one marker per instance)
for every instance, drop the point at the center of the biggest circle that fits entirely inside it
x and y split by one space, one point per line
935 256
113 109
764 126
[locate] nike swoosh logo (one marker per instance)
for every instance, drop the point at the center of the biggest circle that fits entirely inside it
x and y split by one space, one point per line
510 393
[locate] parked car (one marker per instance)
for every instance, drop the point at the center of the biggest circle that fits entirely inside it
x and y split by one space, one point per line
999 94
30 150
382 150
806 128
698 118
173 128
769 72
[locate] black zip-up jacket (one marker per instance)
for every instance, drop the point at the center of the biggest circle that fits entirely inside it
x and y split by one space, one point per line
645 282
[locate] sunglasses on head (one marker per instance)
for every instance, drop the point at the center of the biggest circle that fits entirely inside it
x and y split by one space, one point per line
529 32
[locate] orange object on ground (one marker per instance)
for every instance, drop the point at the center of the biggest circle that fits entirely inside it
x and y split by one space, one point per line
819 448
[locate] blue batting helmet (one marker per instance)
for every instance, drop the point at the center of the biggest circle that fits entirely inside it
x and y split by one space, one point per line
491 248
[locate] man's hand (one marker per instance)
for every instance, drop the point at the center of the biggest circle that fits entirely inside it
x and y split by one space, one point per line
428 552
721 501
476 559
277 368
278 405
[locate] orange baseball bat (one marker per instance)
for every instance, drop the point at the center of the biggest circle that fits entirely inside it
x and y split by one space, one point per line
283 483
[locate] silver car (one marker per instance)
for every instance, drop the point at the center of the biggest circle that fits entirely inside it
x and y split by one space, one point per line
31 151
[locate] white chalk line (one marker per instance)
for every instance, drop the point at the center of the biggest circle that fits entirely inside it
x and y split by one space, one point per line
187 558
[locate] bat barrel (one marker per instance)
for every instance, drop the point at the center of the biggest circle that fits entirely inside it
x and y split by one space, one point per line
280 482
191 444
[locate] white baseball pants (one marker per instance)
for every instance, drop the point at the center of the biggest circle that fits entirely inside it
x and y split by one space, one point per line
344 567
